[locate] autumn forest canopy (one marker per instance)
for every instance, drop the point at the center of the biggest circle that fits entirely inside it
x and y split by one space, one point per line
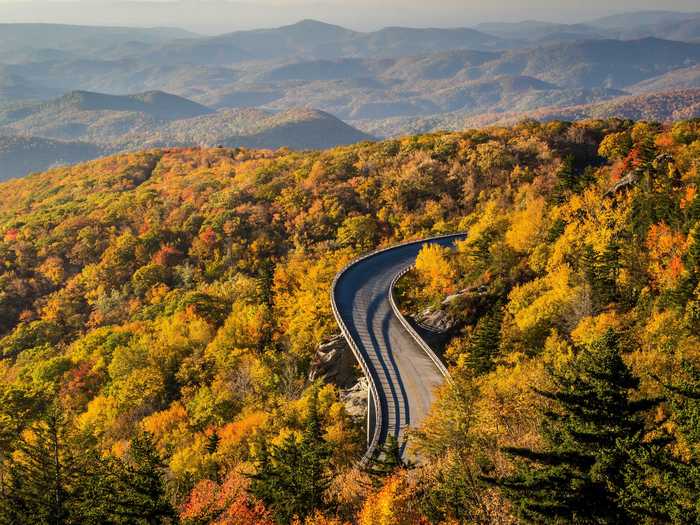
160 313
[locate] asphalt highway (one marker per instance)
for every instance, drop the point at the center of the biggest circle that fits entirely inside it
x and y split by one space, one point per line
404 374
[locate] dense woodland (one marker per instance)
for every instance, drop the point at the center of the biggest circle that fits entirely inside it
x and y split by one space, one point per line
159 312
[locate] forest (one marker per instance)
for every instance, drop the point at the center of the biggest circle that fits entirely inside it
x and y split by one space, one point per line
160 312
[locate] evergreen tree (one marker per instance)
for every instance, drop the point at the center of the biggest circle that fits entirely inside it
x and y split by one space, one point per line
569 179
292 477
43 479
213 442
692 257
685 483
139 485
55 478
580 475
485 341
601 271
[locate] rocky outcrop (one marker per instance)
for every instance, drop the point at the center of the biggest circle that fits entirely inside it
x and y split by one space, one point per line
625 182
438 320
443 319
355 398
334 363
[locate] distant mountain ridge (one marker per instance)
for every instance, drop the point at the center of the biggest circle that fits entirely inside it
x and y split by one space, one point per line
156 104
643 18
684 78
315 40
83 125
21 155
65 83
662 107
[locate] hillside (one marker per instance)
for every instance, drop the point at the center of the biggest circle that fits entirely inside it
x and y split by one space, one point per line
15 88
598 63
160 119
22 155
87 106
369 78
660 107
164 308
253 128
685 78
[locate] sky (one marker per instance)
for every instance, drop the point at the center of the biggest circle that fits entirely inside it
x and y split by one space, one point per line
217 16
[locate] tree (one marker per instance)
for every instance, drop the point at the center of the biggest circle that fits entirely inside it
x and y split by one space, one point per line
484 342
685 484
615 146
601 271
692 257
359 232
224 503
49 478
590 437
292 477
435 270
139 484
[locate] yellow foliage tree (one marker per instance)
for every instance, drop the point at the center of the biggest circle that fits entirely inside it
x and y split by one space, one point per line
527 226
436 270
392 505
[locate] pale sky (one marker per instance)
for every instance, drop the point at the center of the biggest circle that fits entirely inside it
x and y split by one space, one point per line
215 16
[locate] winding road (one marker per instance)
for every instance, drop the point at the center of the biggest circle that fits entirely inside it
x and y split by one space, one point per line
402 370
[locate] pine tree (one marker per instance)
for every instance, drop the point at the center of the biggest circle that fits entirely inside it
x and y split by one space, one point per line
580 475
139 485
567 179
292 477
685 483
601 271
43 478
485 341
55 478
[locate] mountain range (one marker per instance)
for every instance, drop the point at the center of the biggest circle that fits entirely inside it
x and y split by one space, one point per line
118 88
83 125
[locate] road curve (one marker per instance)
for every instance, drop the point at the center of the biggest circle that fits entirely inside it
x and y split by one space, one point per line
402 371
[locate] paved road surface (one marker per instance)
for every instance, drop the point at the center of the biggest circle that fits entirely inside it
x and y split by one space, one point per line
404 375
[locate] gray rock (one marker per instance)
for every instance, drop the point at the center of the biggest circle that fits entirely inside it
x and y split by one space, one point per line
334 363
441 319
625 182
355 398
438 320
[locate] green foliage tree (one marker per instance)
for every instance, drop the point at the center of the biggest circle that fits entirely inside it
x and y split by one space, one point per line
292 477
590 437
56 478
140 486
359 232
684 397
49 479
484 342
600 271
